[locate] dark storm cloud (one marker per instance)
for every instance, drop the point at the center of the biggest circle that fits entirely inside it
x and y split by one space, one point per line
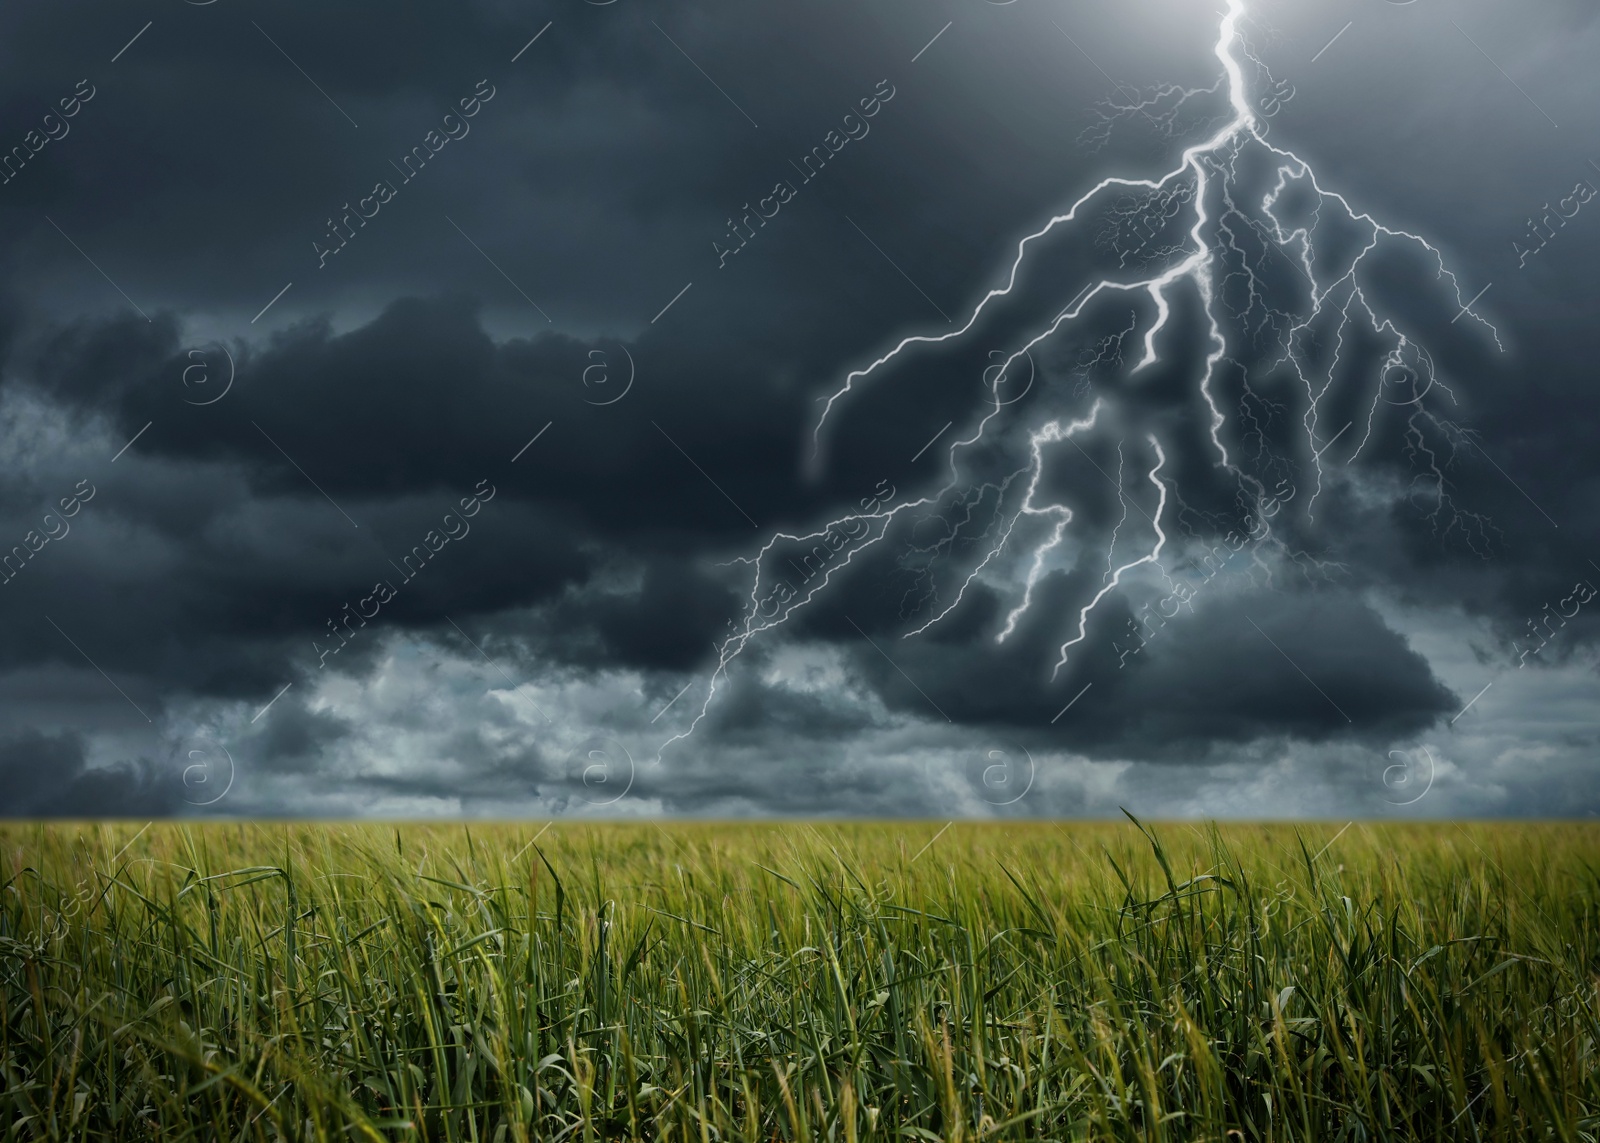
399 422
486 337
46 776
1394 100
597 176
1307 665
298 739
667 623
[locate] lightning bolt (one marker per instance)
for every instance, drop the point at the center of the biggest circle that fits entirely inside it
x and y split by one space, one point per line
1197 232
1115 581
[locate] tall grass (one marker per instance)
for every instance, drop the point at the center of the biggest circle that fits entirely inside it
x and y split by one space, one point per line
802 983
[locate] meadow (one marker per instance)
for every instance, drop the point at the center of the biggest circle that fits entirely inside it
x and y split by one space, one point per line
841 982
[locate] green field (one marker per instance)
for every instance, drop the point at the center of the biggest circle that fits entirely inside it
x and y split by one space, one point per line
799 982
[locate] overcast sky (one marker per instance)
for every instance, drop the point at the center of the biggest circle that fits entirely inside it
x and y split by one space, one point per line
722 409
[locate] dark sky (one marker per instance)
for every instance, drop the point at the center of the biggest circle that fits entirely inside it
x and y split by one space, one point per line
830 408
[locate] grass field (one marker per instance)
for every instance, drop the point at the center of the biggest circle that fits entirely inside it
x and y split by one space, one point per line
797 982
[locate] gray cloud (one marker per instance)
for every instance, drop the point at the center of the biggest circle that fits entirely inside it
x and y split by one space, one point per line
281 495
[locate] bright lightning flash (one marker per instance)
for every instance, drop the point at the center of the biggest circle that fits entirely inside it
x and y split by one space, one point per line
1286 273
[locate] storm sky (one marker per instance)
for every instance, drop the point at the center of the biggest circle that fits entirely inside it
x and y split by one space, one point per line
634 408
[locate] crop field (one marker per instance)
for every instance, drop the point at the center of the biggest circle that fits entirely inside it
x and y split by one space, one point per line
800 982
